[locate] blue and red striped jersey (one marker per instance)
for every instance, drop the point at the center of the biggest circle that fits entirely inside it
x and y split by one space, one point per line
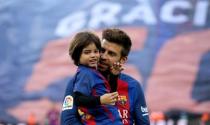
91 83
131 101
131 104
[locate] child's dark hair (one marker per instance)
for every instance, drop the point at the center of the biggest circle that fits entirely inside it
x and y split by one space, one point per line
119 37
79 42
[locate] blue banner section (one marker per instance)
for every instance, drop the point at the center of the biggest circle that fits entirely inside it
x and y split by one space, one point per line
170 54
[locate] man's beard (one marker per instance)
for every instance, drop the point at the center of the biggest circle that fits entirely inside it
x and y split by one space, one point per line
103 67
104 71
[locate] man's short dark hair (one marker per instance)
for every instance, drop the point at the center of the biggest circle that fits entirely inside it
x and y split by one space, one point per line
79 42
119 37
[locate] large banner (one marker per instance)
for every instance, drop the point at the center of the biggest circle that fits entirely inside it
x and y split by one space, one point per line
170 54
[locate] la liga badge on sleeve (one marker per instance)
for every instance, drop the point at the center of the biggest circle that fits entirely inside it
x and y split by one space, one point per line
68 103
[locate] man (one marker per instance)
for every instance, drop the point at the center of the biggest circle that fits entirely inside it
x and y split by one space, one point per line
131 104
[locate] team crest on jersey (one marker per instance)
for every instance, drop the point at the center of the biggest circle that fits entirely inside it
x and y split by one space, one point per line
122 99
68 103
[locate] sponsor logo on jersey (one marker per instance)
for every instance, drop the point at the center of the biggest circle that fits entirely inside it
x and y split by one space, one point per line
124 115
68 103
144 111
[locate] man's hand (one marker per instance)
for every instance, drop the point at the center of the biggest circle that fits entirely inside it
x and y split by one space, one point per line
109 98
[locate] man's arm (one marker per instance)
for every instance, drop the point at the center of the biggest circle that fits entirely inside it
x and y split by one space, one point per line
141 110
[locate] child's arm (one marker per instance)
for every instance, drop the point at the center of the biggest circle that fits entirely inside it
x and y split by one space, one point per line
92 101
86 101
69 112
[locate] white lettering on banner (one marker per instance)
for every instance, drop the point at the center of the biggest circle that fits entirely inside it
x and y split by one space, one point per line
71 23
167 12
104 13
112 13
201 12
124 115
141 12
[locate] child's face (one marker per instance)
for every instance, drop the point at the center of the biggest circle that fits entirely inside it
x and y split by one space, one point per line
90 56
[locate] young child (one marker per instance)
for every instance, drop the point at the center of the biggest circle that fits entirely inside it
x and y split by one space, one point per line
91 90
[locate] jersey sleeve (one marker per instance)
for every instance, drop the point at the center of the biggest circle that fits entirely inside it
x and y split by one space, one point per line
140 111
84 82
69 112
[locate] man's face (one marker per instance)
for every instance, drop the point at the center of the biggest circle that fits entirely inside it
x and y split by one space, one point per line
110 54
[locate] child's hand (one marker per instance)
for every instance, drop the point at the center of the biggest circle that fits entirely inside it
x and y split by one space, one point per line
109 98
116 68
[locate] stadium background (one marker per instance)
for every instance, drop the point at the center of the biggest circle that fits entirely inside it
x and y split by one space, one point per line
170 54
